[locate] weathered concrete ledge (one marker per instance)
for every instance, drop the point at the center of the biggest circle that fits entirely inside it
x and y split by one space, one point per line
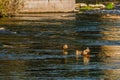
48 6
58 14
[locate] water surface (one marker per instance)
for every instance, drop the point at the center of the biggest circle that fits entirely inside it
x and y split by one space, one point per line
31 48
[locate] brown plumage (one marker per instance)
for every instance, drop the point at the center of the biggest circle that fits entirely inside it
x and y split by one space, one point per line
78 52
86 52
65 47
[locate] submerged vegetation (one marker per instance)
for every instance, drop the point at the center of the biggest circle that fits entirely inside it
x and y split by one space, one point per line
110 6
9 7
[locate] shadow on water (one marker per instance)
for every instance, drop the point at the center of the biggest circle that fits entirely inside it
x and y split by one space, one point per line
31 48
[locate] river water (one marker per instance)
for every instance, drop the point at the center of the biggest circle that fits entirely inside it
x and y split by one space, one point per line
31 48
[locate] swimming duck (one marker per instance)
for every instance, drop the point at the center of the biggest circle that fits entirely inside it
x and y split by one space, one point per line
78 52
86 56
86 52
65 47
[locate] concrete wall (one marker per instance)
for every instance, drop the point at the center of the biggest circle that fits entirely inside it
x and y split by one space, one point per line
48 6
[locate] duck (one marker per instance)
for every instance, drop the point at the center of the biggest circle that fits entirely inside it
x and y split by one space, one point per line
86 56
78 52
65 47
86 52
87 49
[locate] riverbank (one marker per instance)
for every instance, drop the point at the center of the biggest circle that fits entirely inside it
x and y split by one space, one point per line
103 10
101 13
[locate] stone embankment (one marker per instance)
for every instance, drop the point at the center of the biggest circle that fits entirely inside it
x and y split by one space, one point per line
101 13
110 12
78 6
99 10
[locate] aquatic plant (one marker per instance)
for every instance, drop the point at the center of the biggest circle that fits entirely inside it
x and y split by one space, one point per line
110 6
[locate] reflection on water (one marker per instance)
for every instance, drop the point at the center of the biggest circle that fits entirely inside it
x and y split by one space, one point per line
86 60
78 54
31 48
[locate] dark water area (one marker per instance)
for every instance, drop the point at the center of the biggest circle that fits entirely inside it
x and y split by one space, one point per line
31 48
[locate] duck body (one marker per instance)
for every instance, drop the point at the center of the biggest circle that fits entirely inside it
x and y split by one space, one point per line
65 47
78 52
86 52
